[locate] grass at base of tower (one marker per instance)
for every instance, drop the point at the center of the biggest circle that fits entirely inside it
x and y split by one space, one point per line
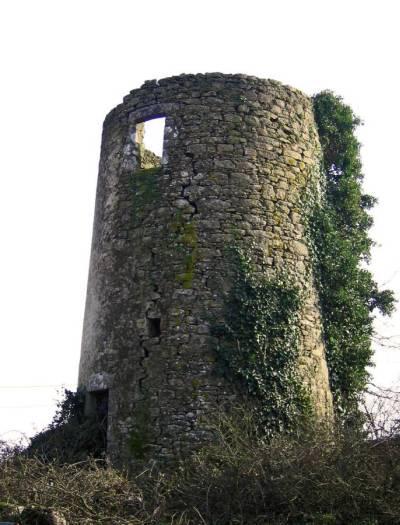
317 475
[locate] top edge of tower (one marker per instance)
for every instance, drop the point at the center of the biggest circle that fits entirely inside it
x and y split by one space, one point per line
207 82
238 78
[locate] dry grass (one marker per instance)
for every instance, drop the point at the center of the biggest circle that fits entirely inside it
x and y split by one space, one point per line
84 493
317 476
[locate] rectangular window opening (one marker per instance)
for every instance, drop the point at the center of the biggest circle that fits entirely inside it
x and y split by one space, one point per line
150 139
154 326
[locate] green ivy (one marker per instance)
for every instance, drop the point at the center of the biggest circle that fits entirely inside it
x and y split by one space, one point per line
339 229
259 343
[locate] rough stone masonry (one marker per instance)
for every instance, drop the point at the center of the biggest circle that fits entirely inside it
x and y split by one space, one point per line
238 153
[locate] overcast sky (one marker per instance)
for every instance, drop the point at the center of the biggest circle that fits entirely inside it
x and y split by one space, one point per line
65 64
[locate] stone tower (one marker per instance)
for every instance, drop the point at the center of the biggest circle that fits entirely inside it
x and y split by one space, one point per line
238 153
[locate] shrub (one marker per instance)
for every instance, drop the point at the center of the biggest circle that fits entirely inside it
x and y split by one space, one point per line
320 476
84 493
71 436
317 476
340 234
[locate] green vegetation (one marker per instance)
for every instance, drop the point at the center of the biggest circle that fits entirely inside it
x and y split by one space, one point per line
145 185
139 437
185 241
258 343
71 436
348 294
312 477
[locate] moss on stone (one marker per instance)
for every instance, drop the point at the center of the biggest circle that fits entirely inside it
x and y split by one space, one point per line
186 240
145 189
186 278
195 393
139 436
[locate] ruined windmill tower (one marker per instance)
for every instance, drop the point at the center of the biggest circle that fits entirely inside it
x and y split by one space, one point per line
238 152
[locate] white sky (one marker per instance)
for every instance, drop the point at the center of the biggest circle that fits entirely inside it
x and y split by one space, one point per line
65 64
154 135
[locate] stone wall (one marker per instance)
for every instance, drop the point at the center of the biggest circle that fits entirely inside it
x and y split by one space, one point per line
238 154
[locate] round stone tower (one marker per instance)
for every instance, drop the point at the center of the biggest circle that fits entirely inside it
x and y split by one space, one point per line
238 154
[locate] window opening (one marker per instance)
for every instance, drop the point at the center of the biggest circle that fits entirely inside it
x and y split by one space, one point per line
154 326
150 138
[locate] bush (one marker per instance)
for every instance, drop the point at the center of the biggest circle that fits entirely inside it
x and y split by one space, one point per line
339 232
313 476
84 493
317 476
71 436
